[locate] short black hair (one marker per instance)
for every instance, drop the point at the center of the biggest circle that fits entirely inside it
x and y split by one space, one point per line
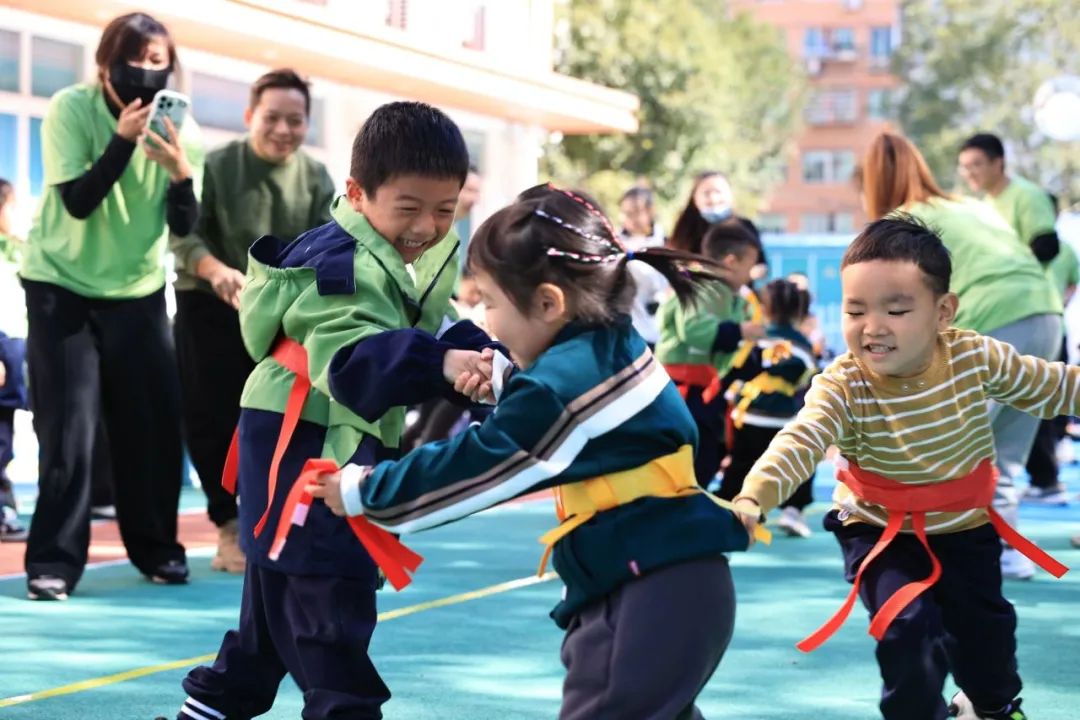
408 138
729 237
125 38
902 238
285 79
989 144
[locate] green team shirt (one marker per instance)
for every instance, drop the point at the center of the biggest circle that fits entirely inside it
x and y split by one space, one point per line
117 252
997 278
687 334
1026 207
243 198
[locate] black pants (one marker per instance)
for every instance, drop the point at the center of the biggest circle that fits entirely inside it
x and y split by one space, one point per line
638 654
749 443
962 623
213 369
710 424
315 628
93 358
7 441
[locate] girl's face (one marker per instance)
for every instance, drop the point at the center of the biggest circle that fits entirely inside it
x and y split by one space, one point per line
636 216
713 193
526 336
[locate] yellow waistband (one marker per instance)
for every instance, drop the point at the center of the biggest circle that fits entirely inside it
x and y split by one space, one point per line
668 476
749 391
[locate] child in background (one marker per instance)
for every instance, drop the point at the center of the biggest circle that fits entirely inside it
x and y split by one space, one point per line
12 383
907 407
778 368
698 342
343 320
592 415
639 231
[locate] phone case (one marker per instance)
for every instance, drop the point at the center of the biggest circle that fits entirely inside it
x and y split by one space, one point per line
170 104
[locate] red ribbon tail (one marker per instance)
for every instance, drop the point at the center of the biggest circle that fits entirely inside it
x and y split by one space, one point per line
395 560
907 594
1013 538
232 464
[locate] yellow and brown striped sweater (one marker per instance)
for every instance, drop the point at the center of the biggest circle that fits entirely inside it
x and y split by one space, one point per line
918 430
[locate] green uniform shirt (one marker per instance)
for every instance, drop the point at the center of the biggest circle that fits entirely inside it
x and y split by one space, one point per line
687 335
997 278
117 251
1026 207
286 301
245 197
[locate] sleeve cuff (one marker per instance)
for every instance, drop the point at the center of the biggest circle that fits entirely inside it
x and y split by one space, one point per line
501 367
351 477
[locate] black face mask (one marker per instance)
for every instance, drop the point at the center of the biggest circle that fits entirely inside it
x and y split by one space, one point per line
134 82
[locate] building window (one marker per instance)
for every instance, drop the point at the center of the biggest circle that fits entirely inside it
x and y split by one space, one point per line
771 223
881 46
827 166
877 104
54 65
826 107
814 43
37 169
9 61
843 40
475 38
218 102
9 159
397 14
840 222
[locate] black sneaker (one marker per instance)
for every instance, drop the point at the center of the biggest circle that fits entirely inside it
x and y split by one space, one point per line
174 572
47 587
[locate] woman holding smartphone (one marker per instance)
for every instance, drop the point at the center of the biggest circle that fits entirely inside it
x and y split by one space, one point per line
99 337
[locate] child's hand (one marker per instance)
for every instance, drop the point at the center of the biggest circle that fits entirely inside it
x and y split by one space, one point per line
328 489
3 374
750 512
752 331
470 372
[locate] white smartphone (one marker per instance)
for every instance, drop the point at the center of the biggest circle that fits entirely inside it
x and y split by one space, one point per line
168 104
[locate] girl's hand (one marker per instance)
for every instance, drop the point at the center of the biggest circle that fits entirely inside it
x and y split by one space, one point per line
470 372
132 120
168 154
328 488
749 512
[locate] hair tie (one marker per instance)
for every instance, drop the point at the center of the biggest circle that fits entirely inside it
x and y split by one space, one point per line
629 255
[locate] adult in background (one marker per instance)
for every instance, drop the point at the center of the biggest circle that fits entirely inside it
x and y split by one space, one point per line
1032 213
95 297
1002 288
261 184
639 231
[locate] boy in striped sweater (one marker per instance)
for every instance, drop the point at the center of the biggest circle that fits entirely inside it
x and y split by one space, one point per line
907 407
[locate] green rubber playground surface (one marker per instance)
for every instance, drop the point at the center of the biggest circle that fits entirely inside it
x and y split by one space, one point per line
119 648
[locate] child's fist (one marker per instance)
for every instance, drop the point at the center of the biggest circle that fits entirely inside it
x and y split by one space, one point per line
341 490
748 511
327 487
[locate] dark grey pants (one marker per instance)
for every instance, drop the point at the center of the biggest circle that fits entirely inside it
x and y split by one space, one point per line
646 651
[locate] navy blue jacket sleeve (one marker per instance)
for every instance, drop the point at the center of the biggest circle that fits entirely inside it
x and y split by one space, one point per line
728 337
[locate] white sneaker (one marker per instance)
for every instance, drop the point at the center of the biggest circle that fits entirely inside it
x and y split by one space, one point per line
1056 495
1016 566
961 708
791 522
1065 452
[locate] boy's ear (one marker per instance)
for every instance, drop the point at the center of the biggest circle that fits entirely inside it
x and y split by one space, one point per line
248 113
549 302
355 194
947 307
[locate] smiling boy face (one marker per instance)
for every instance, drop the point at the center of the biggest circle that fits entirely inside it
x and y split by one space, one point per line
413 212
892 317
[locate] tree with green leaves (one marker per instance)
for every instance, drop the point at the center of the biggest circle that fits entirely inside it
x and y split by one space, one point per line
716 92
974 66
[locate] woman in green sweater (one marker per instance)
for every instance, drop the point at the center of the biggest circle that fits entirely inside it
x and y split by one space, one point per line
98 338
262 184
1003 291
